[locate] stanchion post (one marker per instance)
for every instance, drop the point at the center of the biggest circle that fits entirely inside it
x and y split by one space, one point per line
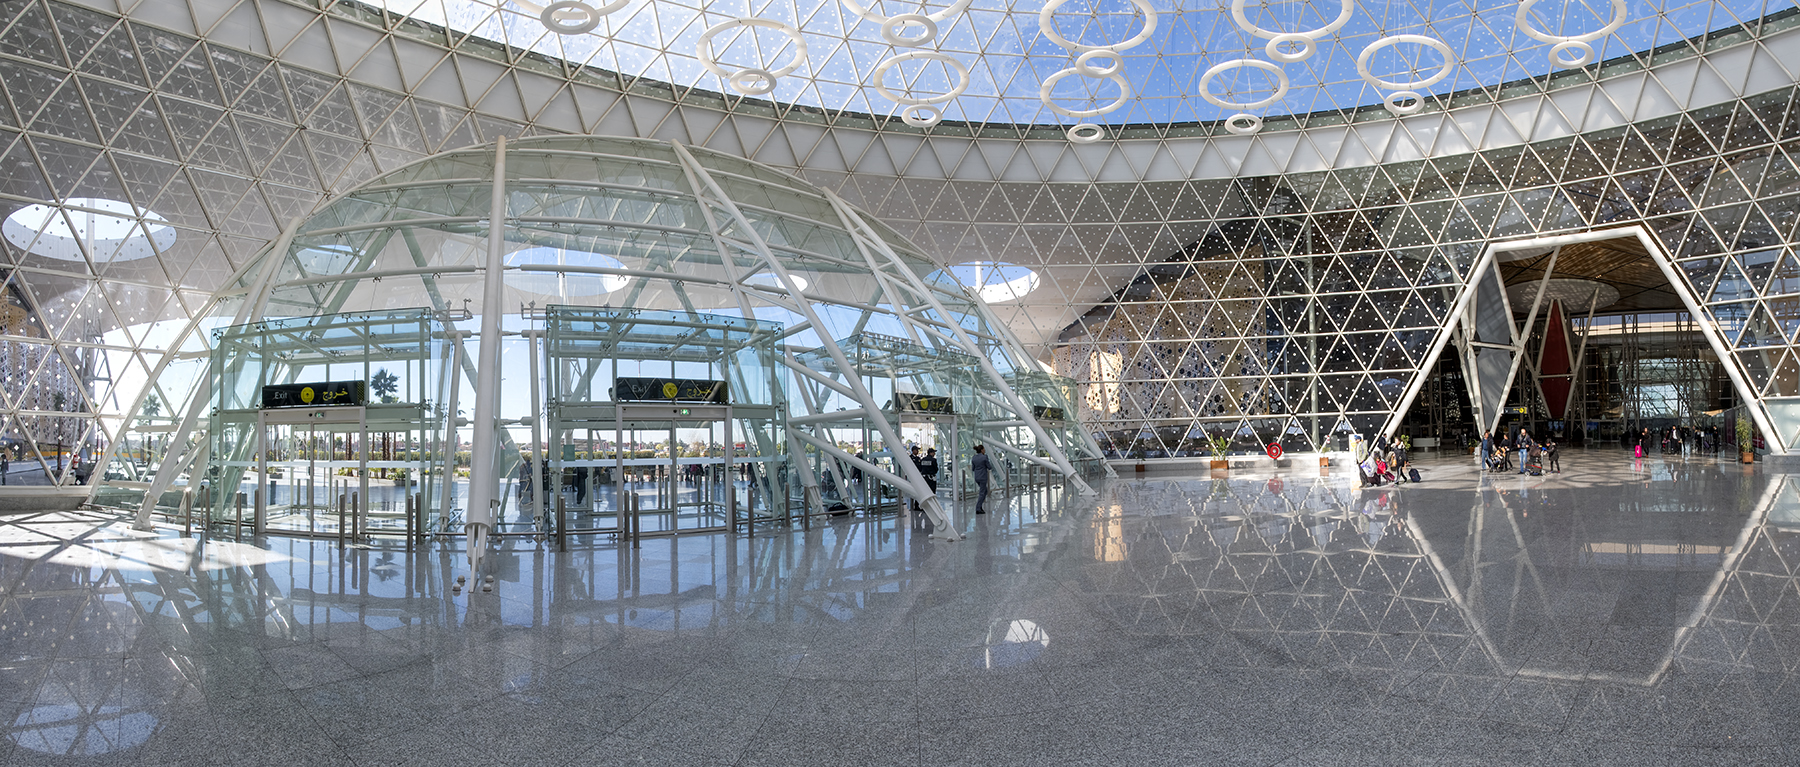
562 524
340 527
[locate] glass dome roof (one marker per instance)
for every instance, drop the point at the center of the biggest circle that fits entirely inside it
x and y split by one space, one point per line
1112 62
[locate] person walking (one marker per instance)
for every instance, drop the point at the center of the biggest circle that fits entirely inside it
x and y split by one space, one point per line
1551 464
1523 445
978 469
1487 450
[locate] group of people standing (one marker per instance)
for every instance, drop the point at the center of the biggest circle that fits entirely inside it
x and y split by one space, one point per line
979 470
1496 454
1387 461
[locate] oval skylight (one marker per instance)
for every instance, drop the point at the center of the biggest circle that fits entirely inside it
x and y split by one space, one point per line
770 280
995 281
572 284
108 230
326 259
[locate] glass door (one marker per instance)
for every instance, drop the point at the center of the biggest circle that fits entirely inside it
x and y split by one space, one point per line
307 462
678 476
702 490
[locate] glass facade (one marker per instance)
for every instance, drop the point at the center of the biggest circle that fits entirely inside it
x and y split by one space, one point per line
1313 301
623 257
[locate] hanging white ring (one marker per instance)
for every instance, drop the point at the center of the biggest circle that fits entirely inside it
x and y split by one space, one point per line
1085 63
962 78
1086 133
921 115
1362 62
1047 25
1306 43
1584 54
1281 83
1394 102
1243 124
705 54
890 30
1345 8
589 16
1522 20
751 81
1050 82
859 9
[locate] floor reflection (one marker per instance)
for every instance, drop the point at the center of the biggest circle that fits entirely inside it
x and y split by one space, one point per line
1550 605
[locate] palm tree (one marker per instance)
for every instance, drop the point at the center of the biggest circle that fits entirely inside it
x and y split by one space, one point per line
385 385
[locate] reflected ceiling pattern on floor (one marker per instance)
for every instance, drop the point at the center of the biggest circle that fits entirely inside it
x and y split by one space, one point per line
1646 611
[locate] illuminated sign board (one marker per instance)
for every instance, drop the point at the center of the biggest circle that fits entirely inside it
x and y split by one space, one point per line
326 394
670 390
921 403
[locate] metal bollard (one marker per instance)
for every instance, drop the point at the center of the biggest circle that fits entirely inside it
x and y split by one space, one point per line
356 528
637 521
409 523
340 530
238 534
187 512
562 524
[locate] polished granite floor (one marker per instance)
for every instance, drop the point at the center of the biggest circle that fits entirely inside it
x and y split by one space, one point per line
1623 612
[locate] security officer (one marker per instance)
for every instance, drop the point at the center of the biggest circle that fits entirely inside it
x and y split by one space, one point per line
928 466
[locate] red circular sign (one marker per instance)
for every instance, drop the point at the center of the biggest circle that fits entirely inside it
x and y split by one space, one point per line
1274 450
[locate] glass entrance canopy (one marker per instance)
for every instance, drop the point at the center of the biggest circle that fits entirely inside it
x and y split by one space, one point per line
627 234
1118 62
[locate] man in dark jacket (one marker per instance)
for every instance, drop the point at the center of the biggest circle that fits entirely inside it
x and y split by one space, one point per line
979 468
913 456
929 467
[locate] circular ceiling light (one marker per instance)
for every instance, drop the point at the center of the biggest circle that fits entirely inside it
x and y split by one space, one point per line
1281 83
993 281
1047 27
761 77
540 275
1579 44
956 67
108 230
1449 65
1049 84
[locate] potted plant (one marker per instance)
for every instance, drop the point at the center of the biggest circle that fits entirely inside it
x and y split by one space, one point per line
1219 446
1746 447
